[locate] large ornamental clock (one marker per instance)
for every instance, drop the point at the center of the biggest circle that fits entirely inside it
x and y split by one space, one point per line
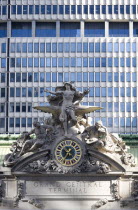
69 152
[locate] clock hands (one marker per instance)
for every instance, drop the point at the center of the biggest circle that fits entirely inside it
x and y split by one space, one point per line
67 153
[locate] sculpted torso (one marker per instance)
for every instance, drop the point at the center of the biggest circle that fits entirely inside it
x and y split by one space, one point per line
68 96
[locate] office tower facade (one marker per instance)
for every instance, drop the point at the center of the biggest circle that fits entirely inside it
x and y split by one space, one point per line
90 42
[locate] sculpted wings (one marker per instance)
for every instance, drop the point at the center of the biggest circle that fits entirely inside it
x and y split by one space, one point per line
79 110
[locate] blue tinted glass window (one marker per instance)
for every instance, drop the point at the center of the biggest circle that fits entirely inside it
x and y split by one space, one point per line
103 77
79 47
24 77
127 9
97 47
121 9
115 9
31 9
116 77
91 47
128 106
110 62
85 62
97 92
36 47
19 9
30 62
109 9
94 29
109 76
54 77
60 62
42 62
134 77
110 47
17 122
97 76
92 9
97 62
116 62
122 47
30 92
54 47
2 77
54 62
36 62
42 9
103 9
48 62
3 62
60 77
104 47
118 29
72 77
73 47
67 9
103 62
73 9
18 47
103 92
134 62
54 9
110 106
18 62
61 9
134 92
30 77
103 105
18 77
133 9
36 9
24 62
66 77
116 92
12 47
128 62
3 30
29 122
134 122
91 62
25 9
12 77
110 122
66 62
122 122
11 92
122 92
69 29
128 122
134 107
45 29
97 9
12 62
122 107
110 91
116 106
116 122
11 122
85 77
128 46
79 77
79 62
48 47
48 77
85 9
122 62
13 9
18 92
60 47
42 47
48 9
116 47
79 9
30 47
85 47
128 77
135 29
134 47
24 47
66 47
73 62
91 77
21 29
91 93
42 77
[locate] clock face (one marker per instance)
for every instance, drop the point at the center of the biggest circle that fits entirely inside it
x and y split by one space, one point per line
68 152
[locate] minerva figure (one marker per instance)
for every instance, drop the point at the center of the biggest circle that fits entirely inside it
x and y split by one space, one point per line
70 98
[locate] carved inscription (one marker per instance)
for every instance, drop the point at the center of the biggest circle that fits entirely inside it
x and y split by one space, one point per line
58 188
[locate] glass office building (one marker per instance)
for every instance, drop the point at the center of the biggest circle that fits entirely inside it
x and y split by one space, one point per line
93 43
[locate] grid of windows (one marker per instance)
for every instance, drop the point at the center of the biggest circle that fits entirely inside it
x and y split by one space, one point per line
71 9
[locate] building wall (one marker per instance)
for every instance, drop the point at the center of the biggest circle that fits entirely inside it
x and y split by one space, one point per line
104 63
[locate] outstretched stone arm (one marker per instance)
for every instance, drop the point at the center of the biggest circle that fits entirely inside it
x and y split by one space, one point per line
54 93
